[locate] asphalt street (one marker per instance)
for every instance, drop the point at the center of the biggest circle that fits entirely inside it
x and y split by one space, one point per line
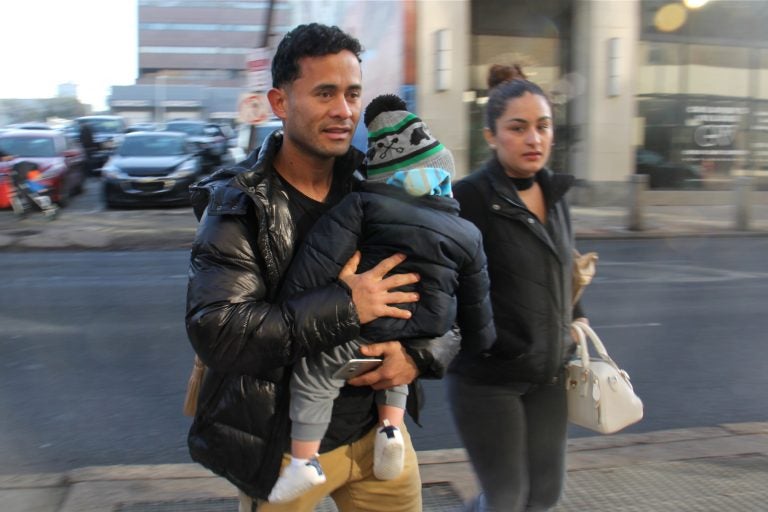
95 358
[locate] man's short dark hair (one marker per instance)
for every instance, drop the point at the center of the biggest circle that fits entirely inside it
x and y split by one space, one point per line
311 40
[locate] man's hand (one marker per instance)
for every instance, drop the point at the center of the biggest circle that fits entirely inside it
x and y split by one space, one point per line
370 290
398 368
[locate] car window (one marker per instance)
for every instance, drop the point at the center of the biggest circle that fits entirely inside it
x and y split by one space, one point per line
153 146
32 147
188 128
6 147
105 125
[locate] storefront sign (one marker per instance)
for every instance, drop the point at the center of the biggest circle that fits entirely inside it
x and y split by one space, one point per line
714 131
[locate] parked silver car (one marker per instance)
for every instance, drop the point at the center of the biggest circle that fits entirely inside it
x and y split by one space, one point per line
151 168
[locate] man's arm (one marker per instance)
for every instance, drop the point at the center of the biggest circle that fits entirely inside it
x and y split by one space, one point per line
329 253
232 322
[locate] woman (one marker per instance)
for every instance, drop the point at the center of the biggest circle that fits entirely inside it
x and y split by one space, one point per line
509 403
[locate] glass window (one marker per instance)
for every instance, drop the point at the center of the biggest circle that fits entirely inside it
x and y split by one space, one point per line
718 70
700 90
106 125
152 146
32 147
188 128
659 68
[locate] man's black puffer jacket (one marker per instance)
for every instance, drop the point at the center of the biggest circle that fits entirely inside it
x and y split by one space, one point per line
444 249
246 338
530 266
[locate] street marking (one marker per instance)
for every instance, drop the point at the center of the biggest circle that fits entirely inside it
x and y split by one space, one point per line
667 272
624 326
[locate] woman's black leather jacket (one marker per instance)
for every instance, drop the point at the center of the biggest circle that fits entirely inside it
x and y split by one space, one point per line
530 265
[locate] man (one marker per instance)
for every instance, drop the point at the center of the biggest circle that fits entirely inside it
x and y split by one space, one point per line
89 146
251 221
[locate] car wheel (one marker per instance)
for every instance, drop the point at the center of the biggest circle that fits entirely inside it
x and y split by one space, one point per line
64 197
108 203
80 187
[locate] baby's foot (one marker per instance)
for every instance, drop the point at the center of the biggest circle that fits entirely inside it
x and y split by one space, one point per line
297 478
388 452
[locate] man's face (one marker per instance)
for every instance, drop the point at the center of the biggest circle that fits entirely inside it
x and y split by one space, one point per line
321 108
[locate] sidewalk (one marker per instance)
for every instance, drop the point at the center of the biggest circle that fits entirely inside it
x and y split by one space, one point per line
700 469
92 228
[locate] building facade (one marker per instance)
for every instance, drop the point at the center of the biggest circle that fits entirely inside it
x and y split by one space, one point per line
192 57
656 85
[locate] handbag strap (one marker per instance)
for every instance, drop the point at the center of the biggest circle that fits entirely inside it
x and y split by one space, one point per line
584 332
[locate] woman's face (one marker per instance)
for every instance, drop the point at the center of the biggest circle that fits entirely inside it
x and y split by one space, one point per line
524 135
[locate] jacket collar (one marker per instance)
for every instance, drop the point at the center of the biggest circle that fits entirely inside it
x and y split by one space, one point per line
259 162
446 204
553 185
256 171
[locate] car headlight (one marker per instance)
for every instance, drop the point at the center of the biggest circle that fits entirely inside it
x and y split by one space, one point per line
113 172
186 169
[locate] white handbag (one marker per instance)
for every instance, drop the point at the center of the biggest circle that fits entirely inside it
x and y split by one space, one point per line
600 395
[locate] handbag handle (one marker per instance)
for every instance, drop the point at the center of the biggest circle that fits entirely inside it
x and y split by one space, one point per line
584 331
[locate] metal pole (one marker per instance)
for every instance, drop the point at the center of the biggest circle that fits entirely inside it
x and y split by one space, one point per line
264 42
638 185
159 98
742 202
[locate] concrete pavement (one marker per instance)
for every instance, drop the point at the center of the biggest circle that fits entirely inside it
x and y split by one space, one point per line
701 469
86 225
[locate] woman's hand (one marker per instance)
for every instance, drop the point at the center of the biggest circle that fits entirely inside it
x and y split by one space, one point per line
574 335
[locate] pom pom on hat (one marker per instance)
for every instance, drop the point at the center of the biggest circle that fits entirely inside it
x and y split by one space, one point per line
399 140
383 103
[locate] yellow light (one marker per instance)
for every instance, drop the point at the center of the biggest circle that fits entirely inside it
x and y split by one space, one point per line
670 17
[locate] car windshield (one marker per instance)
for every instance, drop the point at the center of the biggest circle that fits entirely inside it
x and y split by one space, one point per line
105 125
31 147
188 128
152 146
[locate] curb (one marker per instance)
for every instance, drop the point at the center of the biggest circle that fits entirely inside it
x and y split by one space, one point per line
96 239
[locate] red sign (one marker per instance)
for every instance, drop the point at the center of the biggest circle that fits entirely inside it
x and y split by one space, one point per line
257 66
253 108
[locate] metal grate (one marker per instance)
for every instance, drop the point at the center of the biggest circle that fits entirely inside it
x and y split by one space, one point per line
436 497
696 485
200 505
441 497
